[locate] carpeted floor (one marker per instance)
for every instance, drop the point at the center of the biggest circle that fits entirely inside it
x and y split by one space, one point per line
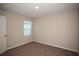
38 49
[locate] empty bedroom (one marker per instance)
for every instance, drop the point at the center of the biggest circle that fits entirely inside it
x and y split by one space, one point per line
39 29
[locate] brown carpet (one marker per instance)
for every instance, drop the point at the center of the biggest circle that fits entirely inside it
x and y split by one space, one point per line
38 49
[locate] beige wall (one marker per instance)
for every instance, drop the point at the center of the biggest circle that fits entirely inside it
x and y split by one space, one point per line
15 36
59 30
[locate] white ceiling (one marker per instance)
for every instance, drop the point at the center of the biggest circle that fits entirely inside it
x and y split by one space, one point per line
28 9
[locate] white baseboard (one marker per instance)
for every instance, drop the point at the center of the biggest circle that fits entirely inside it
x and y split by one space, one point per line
58 46
43 43
18 45
2 52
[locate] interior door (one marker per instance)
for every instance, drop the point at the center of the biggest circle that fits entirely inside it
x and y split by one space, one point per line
2 34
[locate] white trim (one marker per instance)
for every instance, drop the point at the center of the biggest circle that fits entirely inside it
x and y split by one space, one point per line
58 46
18 45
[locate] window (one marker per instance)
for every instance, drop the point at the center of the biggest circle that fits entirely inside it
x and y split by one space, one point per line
27 28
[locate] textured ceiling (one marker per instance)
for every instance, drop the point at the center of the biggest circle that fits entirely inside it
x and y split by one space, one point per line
28 9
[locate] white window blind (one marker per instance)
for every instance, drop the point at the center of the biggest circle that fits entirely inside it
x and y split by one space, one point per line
27 28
